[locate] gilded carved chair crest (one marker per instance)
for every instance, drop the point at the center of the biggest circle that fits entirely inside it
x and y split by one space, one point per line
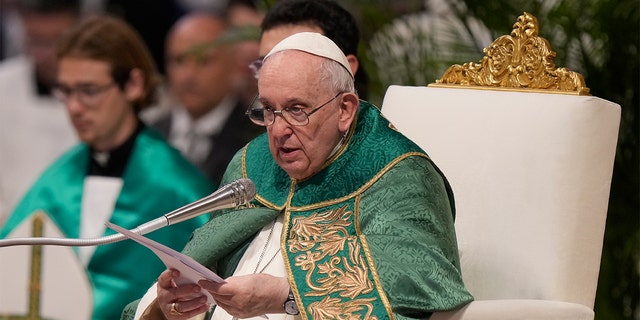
519 61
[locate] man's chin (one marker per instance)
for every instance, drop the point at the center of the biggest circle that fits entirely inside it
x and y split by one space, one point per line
294 171
197 107
86 138
289 168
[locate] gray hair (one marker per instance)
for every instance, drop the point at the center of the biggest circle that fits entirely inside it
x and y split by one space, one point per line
338 79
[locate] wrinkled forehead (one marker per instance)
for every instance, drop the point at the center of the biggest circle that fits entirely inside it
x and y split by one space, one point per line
303 66
290 71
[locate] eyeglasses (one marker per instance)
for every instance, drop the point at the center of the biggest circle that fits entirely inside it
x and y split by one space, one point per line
86 94
255 67
295 115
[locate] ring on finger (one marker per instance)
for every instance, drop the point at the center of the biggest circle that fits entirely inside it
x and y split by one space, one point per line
175 311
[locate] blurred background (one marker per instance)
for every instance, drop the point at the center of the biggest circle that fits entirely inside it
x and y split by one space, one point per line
412 42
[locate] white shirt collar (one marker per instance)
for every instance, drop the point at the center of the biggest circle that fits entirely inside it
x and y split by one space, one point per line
209 124
193 137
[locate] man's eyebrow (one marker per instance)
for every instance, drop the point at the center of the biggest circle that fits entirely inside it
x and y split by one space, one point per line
79 84
288 102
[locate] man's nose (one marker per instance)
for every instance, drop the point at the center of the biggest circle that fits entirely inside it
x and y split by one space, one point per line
280 125
73 104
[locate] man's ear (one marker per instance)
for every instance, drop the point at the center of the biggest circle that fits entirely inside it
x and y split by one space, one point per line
348 110
134 88
353 63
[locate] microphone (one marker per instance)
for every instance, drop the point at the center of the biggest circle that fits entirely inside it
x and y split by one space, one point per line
231 195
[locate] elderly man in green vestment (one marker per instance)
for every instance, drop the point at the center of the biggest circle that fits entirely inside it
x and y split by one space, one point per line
121 172
351 219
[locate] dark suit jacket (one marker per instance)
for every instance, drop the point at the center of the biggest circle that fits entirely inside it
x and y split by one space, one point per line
236 133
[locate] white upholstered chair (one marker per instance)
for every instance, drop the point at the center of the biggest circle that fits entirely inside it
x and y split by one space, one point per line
531 172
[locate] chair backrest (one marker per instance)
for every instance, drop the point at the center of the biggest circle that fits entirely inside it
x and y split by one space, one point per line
531 173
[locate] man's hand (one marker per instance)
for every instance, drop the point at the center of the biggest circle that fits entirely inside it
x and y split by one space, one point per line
249 296
179 302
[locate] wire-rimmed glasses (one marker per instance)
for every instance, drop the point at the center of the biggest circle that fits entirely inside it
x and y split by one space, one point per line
294 115
87 94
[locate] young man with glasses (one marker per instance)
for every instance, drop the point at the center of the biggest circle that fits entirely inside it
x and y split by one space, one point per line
122 172
351 219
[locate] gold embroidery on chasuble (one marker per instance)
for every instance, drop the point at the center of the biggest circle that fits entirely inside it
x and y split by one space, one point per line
333 276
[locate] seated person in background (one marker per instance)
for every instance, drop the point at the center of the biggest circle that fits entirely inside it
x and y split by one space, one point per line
34 127
245 18
122 172
326 17
206 122
351 219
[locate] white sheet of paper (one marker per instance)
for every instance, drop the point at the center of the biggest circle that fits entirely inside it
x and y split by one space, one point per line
190 270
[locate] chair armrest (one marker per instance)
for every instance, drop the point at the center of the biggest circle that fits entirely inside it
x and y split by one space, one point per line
515 309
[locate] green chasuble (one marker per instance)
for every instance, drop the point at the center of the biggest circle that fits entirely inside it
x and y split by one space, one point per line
156 180
370 236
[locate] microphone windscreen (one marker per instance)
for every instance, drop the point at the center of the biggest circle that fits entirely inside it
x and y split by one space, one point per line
248 189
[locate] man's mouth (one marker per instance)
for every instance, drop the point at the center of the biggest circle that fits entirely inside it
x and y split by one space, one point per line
81 124
288 151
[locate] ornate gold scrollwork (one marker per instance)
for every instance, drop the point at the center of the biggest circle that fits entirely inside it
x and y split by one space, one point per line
334 265
519 61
